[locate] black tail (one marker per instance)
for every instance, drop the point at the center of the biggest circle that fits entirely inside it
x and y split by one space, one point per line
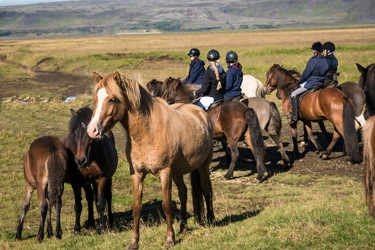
350 134
56 166
275 118
256 138
197 196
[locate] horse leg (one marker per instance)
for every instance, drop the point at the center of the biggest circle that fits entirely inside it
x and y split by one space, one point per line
108 198
90 203
293 127
234 156
182 194
25 207
166 185
311 136
328 151
58 222
49 224
279 144
137 181
100 204
206 187
77 206
43 211
323 129
226 150
305 137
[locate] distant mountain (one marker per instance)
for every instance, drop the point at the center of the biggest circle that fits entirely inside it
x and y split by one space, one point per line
108 17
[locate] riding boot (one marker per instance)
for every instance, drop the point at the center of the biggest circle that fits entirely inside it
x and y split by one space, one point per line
294 114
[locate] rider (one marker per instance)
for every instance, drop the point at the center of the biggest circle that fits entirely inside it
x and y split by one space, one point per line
196 70
328 49
312 76
213 82
234 78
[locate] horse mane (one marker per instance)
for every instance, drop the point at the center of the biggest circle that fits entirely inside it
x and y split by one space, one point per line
370 79
173 87
130 93
290 78
82 115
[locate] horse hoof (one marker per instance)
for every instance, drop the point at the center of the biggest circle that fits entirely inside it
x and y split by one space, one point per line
302 144
256 181
59 235
76 232
49 235
169 244
325 157
228 177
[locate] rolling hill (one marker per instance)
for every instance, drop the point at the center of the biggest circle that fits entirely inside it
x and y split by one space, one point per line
93 17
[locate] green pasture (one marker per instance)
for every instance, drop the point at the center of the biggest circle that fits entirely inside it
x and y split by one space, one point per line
289 211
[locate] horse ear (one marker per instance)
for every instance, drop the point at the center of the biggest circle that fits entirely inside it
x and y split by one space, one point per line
73 112
360 68
97 77
117 78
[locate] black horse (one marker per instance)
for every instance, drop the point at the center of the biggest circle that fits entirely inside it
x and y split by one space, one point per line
367 83
90 162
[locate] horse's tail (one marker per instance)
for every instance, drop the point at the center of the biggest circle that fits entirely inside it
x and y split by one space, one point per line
197 194
56 167
260 89
350 134
275 118
368 159
256 137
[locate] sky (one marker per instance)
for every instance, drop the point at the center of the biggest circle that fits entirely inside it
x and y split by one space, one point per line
22 2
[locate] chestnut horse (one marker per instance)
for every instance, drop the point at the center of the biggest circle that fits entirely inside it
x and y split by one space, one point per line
325 104
369 162
367 83
230 121
167 141
45 167
91 162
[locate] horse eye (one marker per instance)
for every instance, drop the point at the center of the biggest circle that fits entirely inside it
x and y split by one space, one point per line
112 100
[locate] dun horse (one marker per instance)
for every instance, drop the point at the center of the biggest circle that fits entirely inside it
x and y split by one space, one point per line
369 162
230 121
367 83
91 162
167 141
326 104
45 167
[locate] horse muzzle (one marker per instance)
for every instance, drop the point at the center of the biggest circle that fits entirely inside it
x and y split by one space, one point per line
81 161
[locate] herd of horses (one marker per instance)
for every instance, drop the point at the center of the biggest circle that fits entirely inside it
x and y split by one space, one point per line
178 138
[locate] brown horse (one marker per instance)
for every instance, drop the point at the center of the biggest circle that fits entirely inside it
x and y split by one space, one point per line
167 141
325 104
230 121
91 162
367 83
369 162
45 167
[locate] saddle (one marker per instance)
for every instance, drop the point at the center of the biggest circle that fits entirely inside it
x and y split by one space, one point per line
300 96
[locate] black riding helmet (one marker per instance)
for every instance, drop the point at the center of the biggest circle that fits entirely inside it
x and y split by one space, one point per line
231 57
329 46
317 46
213 55
194 52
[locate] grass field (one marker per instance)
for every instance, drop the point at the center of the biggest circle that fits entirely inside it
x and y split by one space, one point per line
292 210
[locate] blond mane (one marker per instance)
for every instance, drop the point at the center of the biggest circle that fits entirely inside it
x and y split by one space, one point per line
129 92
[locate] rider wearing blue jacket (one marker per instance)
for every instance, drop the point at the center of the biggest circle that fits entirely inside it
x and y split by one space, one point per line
196 70
332 62
234 77
312 76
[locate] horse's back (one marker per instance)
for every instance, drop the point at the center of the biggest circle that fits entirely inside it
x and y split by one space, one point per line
35 161
250 85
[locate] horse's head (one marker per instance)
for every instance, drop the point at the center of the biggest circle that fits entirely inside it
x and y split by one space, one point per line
155 87
271 82
367 76
79 137
175 90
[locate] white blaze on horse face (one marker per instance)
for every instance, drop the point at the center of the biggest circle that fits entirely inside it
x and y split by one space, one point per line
102 94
